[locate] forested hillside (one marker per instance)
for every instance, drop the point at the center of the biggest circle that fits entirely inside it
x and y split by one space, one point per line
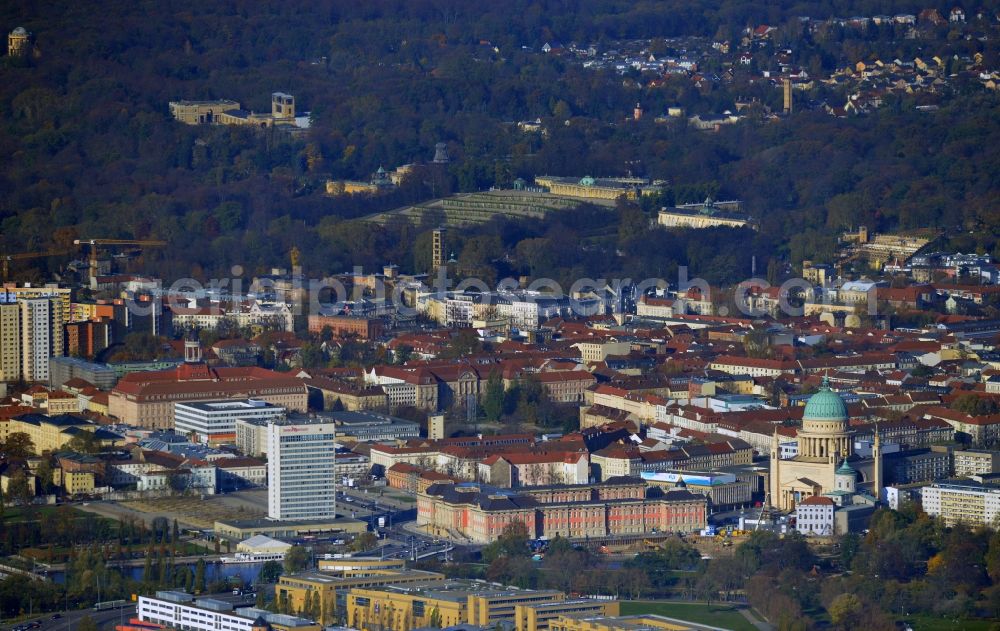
88 147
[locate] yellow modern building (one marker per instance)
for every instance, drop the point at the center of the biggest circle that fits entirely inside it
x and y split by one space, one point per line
298 592
539 616
619 623
442 604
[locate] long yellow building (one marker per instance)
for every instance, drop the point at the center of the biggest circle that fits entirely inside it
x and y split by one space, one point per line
298 592
597 188
572 622
707 215
447 603
52 433
540 616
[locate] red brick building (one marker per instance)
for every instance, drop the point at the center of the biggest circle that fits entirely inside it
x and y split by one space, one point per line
86 339
479 513
346 326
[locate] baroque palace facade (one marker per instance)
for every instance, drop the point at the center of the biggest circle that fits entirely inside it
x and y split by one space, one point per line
618 506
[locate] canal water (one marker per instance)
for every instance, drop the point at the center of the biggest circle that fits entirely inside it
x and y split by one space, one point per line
247 572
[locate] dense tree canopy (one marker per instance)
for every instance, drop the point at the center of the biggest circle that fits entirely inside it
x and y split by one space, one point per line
88 147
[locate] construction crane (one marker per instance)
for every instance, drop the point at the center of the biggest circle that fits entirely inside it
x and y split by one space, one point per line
95 243
763 507
24 256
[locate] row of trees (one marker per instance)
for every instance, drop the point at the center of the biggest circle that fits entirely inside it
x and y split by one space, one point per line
64 527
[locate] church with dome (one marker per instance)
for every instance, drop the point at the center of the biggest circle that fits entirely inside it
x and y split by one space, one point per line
826 465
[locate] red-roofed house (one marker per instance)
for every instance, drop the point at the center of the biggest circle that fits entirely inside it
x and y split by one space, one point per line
981 430
753 366
814 516
566 386
510 470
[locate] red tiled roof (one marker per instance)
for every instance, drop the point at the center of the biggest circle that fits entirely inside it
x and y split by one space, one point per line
78 383
564 376
817 500
954 415
755 362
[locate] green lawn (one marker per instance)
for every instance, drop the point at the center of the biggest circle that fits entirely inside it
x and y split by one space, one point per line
932 623
724 616
12 515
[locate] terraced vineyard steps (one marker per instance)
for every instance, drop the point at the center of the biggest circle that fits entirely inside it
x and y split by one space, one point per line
476 208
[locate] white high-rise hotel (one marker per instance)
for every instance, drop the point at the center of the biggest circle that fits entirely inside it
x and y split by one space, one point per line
300 471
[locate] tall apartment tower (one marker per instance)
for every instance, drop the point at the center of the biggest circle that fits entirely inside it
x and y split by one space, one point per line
437 250
786 89
10 338
41 336
282 105
300 471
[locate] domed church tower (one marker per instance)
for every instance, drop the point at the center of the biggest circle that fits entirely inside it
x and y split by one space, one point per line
825 434
824 442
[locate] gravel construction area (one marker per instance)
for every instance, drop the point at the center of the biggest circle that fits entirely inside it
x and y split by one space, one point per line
197 512
190 512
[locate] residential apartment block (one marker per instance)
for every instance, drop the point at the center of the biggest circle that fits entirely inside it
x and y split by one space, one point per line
970 502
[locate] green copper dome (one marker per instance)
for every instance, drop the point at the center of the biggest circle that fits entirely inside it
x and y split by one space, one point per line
825 405
845 469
